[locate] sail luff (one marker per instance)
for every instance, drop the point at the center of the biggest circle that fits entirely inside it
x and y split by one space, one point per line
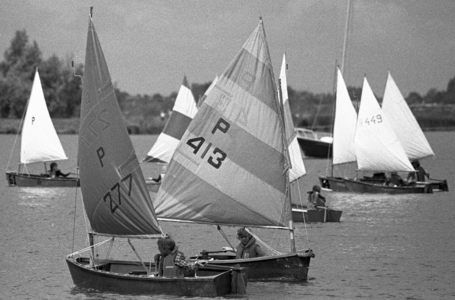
376 145
404 123
115 196
39 139
229 165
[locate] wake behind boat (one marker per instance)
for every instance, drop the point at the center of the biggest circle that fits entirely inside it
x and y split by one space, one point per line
231 166
118 205
39 144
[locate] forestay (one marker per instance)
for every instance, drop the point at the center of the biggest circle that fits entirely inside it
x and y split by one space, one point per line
297 168
377 146
39 140
344 125
115 196
404 123
182 113
229 166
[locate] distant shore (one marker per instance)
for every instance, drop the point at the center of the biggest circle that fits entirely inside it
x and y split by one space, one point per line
71 126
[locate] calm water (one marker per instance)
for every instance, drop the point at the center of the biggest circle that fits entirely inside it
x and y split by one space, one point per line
386 247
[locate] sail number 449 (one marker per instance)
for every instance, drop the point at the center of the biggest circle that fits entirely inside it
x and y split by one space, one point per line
216 156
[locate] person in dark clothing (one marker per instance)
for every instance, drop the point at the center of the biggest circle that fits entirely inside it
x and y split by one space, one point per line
54 172
248 247
315 199
395 179
419 174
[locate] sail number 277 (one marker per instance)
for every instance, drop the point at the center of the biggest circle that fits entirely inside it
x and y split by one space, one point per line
217 156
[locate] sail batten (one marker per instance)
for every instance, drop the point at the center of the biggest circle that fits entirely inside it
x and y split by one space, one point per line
39 140
115 196
229 165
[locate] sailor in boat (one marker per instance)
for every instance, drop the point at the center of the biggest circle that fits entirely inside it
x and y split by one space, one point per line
171 262
161 175
419 174
315 199
395 179
55 172
248 247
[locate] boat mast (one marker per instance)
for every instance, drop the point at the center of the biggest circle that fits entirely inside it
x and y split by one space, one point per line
345 42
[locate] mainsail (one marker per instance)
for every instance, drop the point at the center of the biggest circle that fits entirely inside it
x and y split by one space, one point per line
297 169
182 113
344 125
376 145
115 196
229 167
404 123
39 141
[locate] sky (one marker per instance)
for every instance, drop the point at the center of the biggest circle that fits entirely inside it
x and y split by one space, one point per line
149 45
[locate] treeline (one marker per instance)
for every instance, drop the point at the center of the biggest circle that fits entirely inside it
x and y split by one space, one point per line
148 114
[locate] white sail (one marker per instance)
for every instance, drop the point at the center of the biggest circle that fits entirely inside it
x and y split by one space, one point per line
377 146
229 166
404 123
39 142
344 125
297 167
182 113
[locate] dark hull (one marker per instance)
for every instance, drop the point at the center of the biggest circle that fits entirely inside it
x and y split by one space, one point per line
291 266
315 148
30 180
130 278
336 184
153 186
316 215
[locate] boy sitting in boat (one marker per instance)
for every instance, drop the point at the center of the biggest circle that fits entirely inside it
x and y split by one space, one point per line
315 199
55 172
170 262
248 247
419 174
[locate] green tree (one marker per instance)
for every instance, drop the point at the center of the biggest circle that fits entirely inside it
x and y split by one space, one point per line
16 74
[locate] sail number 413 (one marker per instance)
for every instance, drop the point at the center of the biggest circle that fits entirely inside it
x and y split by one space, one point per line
217 156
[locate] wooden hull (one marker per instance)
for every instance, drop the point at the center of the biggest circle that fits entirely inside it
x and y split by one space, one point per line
315 148
127 277
291 266
316 215
31 180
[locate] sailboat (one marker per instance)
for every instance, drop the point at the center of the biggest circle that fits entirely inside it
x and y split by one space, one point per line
408 131
231 166
162 150
344 126
117 202
378 150
300 213
39 144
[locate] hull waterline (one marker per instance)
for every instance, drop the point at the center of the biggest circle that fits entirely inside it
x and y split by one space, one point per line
30 180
